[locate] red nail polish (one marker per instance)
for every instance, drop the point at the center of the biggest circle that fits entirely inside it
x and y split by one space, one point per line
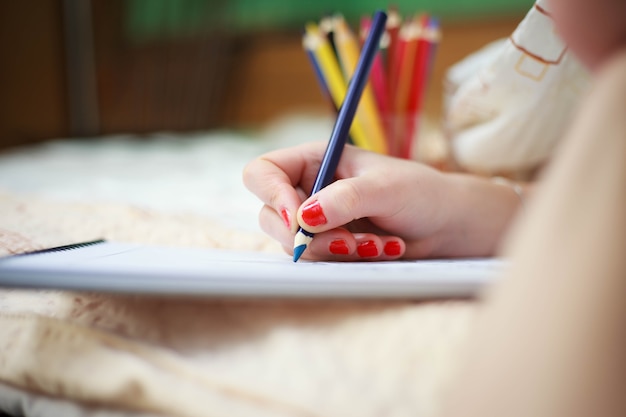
313 215
392 248
286 219
339 247
367 249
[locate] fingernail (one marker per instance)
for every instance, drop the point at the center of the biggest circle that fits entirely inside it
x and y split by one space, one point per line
392 248
312 214
339 247
367 249
286 218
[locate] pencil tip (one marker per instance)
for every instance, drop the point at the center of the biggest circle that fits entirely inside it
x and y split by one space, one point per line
298 251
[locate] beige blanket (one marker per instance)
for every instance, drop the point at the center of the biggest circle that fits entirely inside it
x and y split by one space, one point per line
100 354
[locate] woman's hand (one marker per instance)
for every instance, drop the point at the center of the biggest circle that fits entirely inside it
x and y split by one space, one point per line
379 207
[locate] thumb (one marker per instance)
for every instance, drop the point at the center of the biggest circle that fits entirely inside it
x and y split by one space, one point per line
343 201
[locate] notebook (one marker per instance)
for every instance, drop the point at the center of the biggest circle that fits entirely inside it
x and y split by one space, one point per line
108 266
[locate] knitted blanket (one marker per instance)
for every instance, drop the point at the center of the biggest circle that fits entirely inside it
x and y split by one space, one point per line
86 354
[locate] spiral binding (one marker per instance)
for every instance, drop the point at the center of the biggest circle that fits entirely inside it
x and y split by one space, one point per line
63 248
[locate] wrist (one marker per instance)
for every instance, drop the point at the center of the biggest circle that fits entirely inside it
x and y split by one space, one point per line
479 214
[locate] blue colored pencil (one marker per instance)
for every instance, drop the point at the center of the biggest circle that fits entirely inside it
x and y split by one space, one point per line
344 120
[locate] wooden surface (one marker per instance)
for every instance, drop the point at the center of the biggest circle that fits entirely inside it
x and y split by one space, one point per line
32 84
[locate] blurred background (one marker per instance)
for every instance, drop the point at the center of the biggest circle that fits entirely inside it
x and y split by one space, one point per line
83 68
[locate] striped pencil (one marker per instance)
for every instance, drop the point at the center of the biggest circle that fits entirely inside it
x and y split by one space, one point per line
345 118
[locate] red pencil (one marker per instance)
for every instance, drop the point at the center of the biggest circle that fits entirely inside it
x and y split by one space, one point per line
400 75
392 30
419 82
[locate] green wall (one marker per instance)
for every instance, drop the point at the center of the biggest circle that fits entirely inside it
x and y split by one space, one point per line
165 18
287 13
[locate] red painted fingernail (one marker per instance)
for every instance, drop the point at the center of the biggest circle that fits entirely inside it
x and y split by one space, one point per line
367 249
392 248
286 218
339 247
312 214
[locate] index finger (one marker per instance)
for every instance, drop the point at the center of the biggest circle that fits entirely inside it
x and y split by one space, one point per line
275 176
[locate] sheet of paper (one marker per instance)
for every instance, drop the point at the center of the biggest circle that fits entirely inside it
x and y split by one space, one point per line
131 268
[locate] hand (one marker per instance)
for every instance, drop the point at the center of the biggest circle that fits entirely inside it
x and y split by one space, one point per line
379 207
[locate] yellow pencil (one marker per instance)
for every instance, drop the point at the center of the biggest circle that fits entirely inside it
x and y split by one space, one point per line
367 113
337 86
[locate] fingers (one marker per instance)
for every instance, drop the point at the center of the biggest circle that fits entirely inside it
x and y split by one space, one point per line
337 244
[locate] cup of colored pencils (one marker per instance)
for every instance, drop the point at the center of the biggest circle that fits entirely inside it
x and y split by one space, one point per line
388 116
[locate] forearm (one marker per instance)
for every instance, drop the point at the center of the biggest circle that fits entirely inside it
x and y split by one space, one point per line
552 336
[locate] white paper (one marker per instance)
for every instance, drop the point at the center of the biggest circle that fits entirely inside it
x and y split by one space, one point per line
131 268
